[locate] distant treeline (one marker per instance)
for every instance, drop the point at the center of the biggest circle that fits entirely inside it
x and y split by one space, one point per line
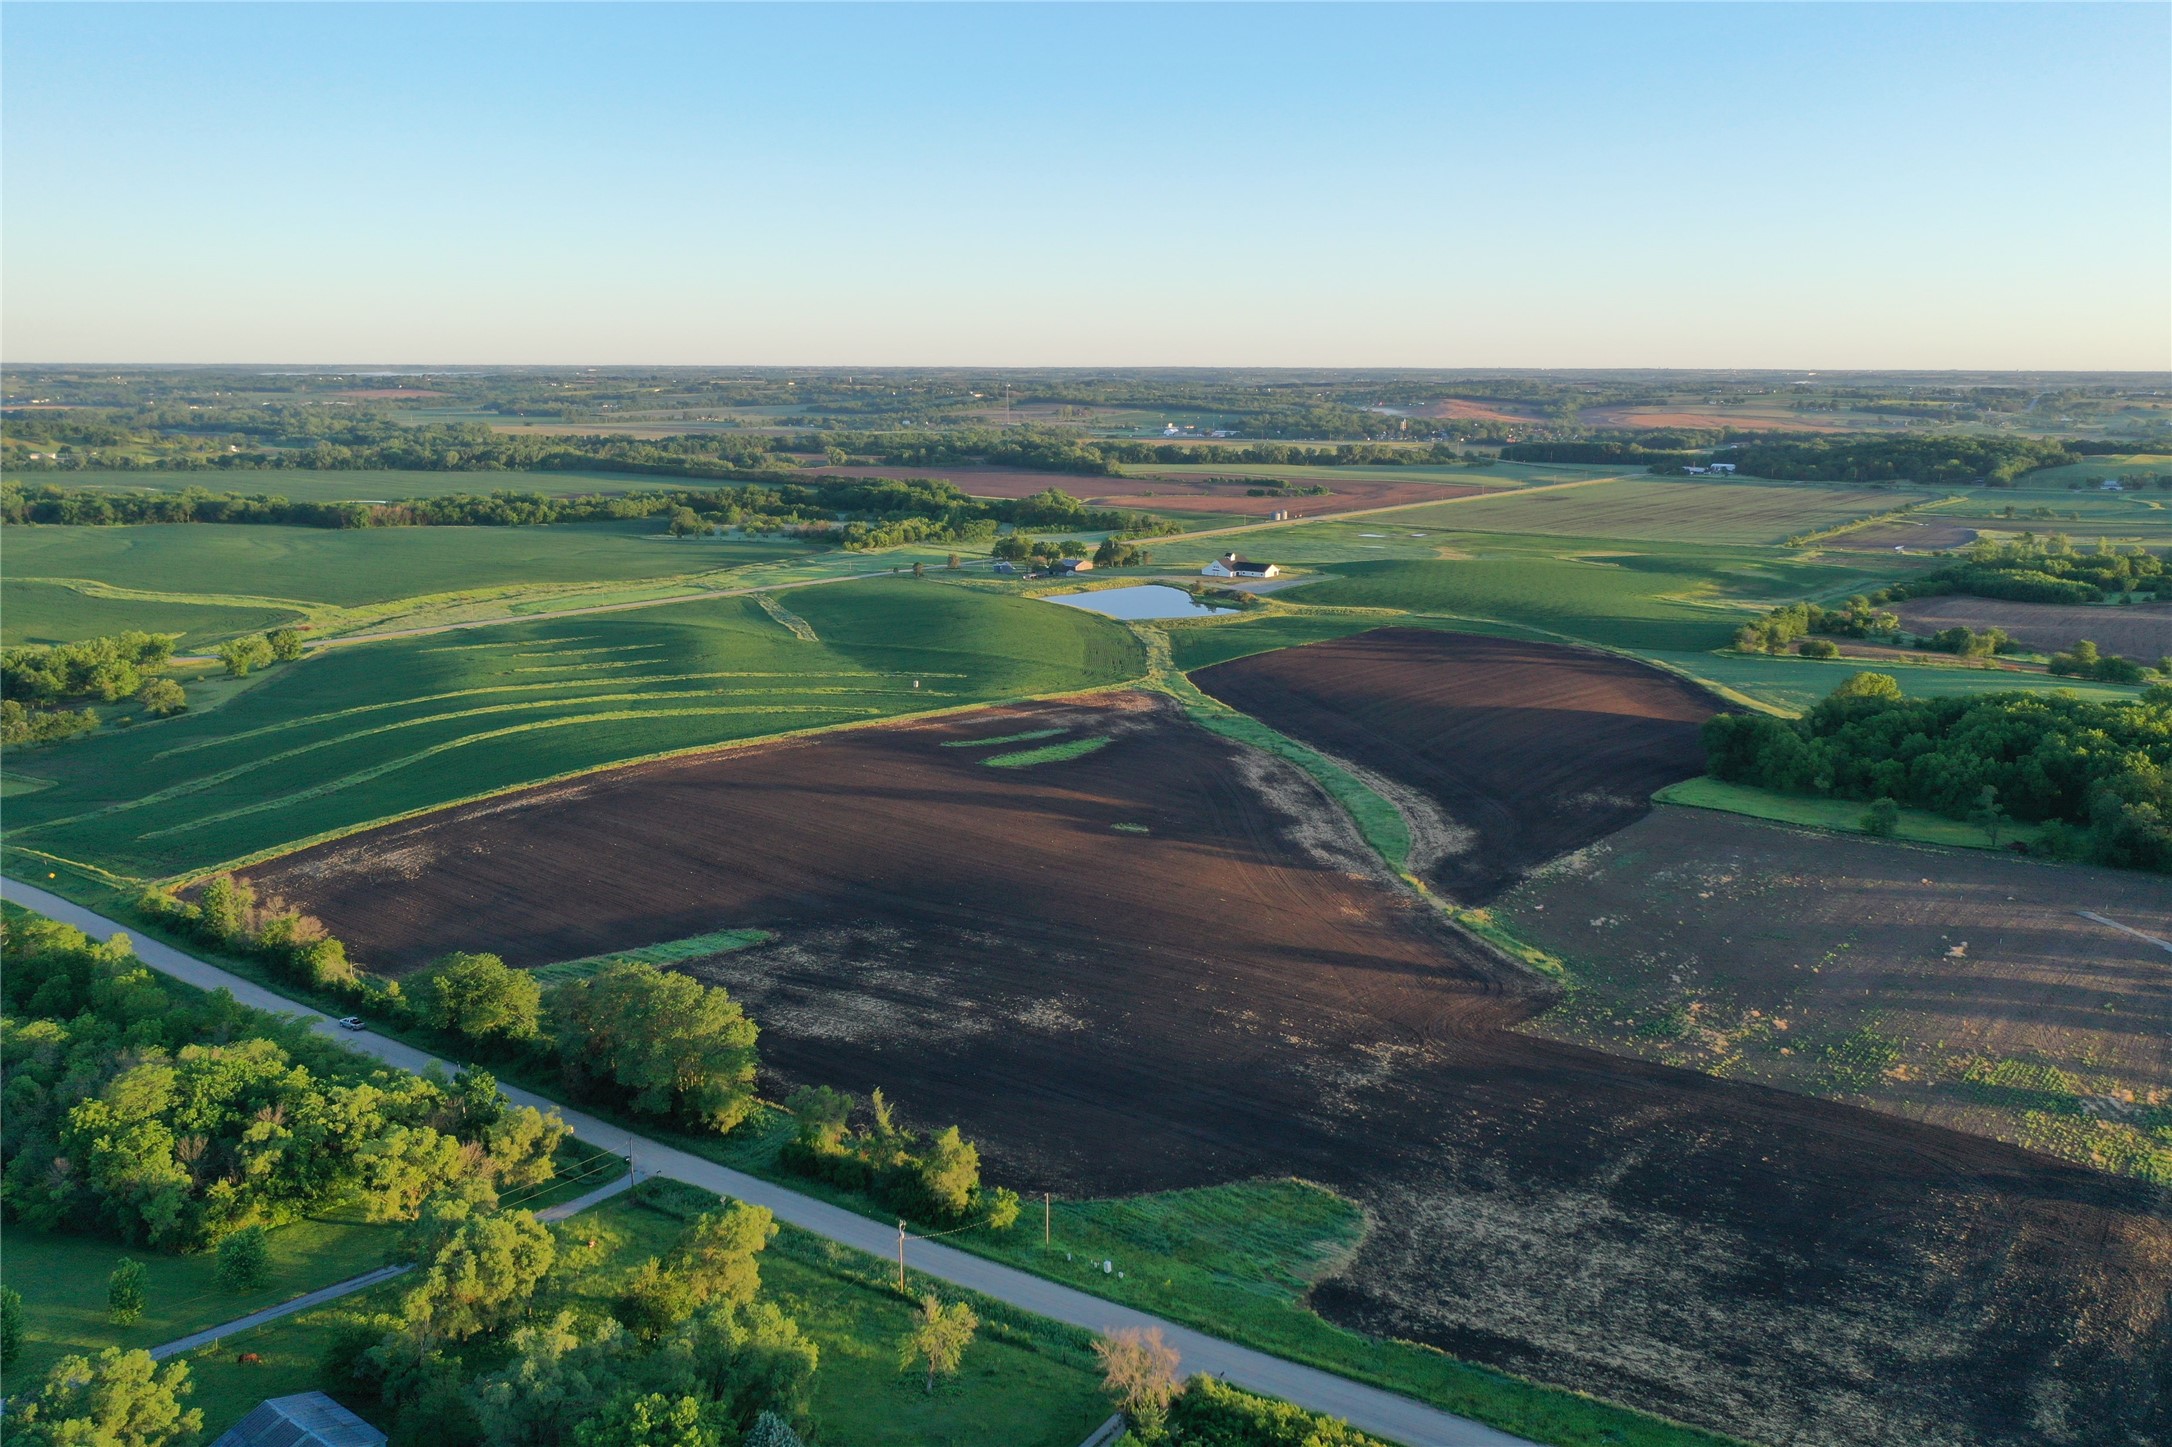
1600 453
2097 775
1997 461
846 510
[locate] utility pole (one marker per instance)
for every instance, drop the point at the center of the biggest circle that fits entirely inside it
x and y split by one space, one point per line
1044 1219
901 1258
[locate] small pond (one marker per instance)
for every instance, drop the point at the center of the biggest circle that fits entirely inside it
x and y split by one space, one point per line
1149 600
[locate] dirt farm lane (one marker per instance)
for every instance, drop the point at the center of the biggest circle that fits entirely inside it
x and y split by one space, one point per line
1382 1413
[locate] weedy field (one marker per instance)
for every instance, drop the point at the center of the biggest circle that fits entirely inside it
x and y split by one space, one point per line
1999 996
370 731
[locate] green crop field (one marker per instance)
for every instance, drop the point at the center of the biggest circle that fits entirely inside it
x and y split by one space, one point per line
1714 512
376 730
1654 597
299 484
1494 475
2096 469
360 566
1794 683
37 612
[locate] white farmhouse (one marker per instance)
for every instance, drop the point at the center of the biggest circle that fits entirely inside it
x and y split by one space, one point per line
1229 565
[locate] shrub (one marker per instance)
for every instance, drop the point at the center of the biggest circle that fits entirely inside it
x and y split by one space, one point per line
124 1291
1882 818
244 1260
1818 648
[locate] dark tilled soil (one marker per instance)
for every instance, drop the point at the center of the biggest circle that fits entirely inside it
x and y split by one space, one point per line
1520 751
1231 994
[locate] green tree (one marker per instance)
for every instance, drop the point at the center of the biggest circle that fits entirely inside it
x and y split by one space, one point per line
243 655
1882 818
124 1291
244 1259
1987 815
117 1399
1818 648
483 1273
771 1430
554 1381
162 698
949 1173
938 1337
285 644
684 522
820 1115
670 1044
1868 685
11 1325
477 995
652 1420
224 907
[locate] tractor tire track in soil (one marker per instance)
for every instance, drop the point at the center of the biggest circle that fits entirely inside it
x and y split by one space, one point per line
1529 749
1234 994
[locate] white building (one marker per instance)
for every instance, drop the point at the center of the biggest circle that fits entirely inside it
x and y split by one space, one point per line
1229 565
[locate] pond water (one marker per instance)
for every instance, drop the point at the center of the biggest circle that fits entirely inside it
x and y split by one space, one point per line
1148 600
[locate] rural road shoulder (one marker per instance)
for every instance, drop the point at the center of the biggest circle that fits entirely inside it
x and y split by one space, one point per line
1370 1409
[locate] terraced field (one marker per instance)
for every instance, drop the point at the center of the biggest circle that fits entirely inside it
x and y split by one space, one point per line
381 729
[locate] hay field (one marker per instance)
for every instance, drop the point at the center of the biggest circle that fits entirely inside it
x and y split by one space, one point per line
370 731
1660 509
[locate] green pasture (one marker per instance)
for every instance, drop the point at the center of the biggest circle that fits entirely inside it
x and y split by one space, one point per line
354 567
298 484
1794 684
1655 508
39 612
63 1282
1844 815
2138 517
1651 596
370 731
2117 464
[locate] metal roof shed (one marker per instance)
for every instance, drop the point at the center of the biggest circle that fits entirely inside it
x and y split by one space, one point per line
307 1419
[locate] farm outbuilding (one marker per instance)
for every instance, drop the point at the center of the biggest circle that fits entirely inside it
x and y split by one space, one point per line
307 1419
1229 565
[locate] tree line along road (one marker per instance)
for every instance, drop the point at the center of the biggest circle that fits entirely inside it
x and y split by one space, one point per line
1369 1409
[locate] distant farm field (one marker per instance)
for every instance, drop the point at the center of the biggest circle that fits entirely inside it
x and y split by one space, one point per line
299 484
2140 631
2096 469
1714 512
354 566
1967 989
1499 753
35 612
368 731
1645 596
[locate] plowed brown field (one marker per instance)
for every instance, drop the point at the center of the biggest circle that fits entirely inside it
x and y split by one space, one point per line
2141 631
1232 993
1501 754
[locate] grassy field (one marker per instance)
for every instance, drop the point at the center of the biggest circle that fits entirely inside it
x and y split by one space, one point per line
376 730
2117 464
38 612
362 485
1793 684
1656 596
1844 815
1659 509
359 566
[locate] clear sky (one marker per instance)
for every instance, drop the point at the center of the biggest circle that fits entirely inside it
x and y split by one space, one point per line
1865 185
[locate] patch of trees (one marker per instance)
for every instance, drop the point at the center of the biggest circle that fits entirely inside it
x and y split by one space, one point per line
39 683
115 1399
485 1351
2046 570
1777 630
2097 775
1600 452
855 512
1995 460
935 1179
119 1121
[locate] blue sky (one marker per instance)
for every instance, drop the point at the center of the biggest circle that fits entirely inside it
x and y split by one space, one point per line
1935 186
